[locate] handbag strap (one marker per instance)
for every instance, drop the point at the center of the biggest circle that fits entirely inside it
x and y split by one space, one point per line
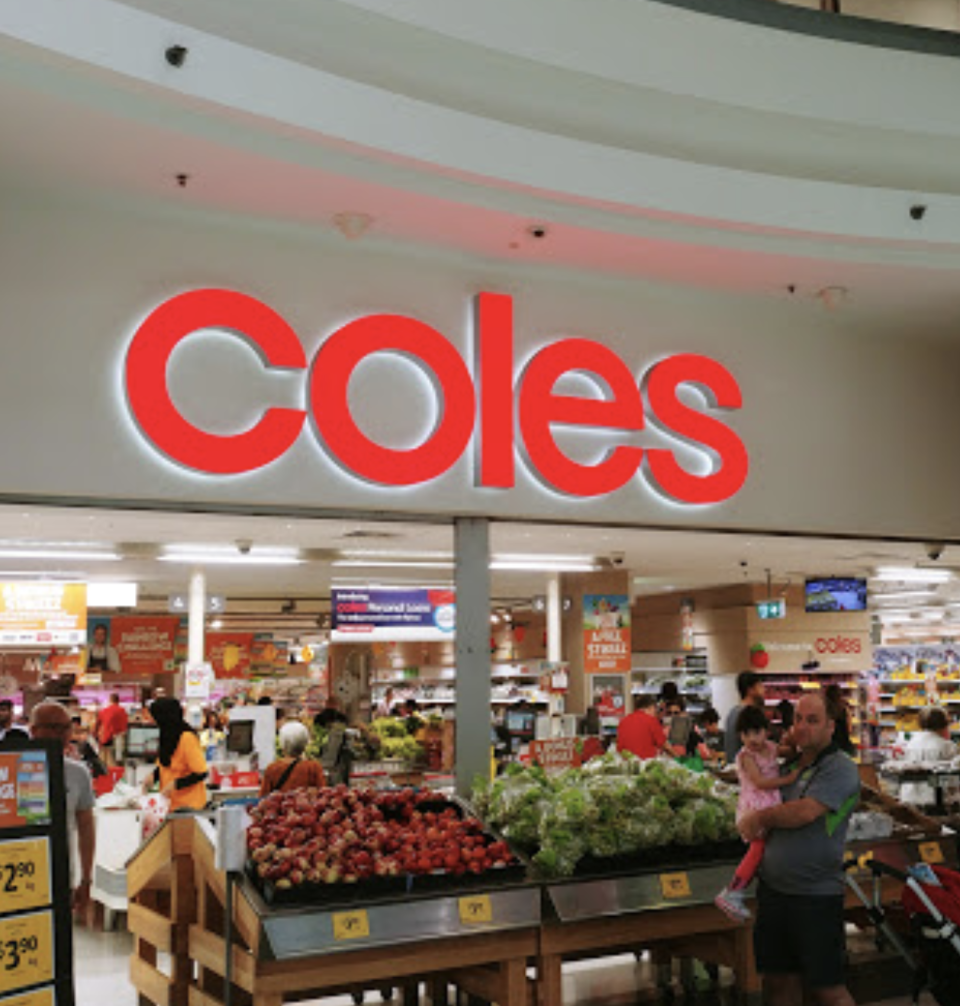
287 772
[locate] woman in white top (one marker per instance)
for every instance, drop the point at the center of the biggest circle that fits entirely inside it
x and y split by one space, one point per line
931 744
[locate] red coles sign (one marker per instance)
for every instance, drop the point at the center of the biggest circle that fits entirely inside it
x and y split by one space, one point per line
478 400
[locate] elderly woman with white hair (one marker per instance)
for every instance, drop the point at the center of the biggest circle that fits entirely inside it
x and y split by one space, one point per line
293 770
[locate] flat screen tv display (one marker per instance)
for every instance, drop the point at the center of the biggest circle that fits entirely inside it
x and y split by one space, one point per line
143 741
836 593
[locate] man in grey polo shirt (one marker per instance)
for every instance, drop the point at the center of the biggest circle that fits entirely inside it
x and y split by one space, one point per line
799 933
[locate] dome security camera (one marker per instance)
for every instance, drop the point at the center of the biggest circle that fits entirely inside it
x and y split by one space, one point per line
618 558
918 211
538 231
176 55
244 545
935 550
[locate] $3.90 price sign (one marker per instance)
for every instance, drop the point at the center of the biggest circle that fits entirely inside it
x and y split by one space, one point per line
26 951
24 874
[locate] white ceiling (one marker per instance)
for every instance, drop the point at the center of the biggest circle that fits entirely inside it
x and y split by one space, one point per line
658 560
84 132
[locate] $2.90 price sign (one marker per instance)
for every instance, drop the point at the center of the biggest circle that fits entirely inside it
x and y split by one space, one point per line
26 951
24 874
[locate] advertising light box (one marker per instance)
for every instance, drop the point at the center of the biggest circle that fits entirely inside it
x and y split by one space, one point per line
33 614
378 613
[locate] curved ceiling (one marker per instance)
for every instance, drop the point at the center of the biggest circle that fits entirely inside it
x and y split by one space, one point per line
654 141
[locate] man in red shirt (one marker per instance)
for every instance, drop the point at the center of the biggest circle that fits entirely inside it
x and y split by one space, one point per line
111 724
641 732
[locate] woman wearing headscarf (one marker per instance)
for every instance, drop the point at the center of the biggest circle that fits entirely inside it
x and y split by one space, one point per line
181 766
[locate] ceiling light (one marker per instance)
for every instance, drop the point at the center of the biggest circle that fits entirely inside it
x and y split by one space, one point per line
217 623
394 563
111 595
44 553
543 566
364 553
901 595
910 574
537 557
226 559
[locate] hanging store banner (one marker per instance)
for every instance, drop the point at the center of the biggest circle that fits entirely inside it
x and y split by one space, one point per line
366 614
144 644
34 614
230 653
608 692
606 633
268 656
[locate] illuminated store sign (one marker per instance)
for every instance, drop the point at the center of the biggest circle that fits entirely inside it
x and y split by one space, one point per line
482 399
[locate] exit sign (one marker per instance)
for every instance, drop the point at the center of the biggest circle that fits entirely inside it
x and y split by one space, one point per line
772 609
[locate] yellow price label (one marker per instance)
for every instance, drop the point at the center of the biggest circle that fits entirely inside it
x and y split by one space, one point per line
26 951
675 885
24 874
930 852
476 909
38 997
350 925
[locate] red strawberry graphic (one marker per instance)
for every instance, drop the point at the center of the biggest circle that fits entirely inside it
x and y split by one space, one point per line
759 657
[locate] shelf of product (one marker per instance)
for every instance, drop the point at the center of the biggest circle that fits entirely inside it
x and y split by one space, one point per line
338 844
615 814
436 686
688 671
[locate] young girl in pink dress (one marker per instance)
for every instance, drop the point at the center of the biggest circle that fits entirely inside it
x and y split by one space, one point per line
760 780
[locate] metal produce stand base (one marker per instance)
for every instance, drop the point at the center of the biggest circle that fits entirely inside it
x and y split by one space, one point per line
671 914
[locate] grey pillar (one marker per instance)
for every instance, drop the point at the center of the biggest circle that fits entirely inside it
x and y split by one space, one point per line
472 578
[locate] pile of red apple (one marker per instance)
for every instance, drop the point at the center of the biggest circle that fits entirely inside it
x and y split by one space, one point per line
340 835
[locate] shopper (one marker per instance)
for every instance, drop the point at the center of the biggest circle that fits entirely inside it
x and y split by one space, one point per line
713 736
111 733
930 744
51 722
750 687
7 726
799 932
839 712
293 770
182 769
212 734
758 772
82 748
641 732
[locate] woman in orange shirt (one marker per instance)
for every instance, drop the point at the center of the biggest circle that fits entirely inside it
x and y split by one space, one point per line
293 771
181 767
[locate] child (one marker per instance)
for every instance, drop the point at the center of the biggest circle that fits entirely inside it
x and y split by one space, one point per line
760 782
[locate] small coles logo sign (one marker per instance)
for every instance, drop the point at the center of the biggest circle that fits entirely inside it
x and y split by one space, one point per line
838 644
511 414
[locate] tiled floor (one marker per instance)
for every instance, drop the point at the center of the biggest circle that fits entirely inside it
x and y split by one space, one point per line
102 977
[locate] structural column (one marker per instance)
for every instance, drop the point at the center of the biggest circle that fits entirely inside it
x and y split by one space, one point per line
554 619
472 579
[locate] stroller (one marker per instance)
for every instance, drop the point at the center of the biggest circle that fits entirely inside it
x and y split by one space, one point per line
931 904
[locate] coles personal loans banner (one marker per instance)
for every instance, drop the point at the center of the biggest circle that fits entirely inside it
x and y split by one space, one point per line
230 653
606 633
379 613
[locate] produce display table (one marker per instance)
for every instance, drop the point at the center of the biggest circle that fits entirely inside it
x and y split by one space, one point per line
671 913
479 940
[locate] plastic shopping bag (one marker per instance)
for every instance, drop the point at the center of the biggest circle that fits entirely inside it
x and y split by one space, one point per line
155 808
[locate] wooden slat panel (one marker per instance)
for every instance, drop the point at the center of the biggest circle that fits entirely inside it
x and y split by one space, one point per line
151 926
149 982
153 858
207 950
199 998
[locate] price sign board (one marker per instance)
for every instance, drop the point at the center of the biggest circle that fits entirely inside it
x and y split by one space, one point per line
350 925
37 997
675 885
24 874
26 950
476 909
36 941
